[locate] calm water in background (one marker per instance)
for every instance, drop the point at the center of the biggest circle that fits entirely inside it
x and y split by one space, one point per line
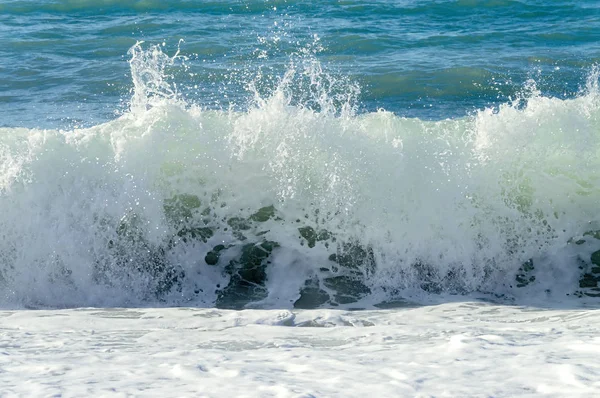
65 62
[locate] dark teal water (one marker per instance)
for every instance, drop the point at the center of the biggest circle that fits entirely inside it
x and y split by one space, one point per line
65 62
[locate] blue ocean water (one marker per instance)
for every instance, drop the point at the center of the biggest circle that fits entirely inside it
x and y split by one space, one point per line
294 153
65 62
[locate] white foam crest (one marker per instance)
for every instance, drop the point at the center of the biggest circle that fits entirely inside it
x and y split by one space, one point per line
149 77
306 83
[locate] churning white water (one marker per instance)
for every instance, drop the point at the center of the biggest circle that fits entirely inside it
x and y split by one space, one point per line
177 204
448 350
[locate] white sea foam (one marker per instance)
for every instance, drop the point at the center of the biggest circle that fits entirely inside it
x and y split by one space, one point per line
454 349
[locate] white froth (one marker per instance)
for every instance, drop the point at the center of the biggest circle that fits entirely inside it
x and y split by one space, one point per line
454 349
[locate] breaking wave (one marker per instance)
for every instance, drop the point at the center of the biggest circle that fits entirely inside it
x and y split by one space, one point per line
299 200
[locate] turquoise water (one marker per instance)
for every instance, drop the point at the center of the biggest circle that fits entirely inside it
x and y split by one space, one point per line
65 62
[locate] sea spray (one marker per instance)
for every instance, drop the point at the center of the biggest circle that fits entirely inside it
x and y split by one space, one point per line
298 200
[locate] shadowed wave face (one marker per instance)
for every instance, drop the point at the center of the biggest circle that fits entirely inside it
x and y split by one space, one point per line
302 159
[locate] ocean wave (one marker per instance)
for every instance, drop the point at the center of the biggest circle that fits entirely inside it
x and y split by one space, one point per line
299 200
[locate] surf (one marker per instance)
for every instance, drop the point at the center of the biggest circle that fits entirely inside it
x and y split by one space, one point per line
299 200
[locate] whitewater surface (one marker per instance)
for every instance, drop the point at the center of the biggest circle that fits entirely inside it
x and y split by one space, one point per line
455 349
